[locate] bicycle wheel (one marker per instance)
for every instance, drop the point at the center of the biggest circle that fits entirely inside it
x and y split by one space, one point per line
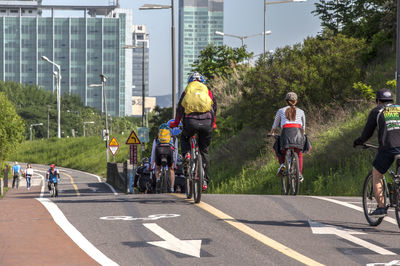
369 201
285 175
52 190
198 181
164 181
397 202
294 174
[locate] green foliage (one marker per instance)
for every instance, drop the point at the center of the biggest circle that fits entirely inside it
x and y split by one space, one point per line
219 60
321 71
35 105
366 90
391 84
11 127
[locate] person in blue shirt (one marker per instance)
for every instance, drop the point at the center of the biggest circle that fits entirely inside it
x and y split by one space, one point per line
52 176
16 171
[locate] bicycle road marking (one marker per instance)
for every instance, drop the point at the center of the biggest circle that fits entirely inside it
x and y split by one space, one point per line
354 207
74 234
255 234
73 184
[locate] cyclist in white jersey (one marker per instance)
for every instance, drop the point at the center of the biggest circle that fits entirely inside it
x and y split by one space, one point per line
292 120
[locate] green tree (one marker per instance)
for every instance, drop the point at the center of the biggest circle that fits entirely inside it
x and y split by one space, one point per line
11 127
219 60
321 71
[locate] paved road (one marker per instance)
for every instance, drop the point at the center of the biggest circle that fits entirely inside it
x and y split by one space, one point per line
224 230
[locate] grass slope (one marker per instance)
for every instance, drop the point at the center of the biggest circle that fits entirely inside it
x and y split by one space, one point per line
83 153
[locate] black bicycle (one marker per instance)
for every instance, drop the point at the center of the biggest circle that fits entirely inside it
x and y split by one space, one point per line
195 173
290 176
391 193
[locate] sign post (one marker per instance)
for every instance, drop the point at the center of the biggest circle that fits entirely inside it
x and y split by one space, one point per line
132 141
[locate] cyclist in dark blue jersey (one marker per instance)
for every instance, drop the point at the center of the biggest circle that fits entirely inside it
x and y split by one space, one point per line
52 176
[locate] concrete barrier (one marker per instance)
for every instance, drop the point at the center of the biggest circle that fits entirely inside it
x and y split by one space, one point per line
117 176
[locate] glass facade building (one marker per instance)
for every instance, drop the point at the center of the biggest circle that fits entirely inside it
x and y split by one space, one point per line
198 22
84 47
140 38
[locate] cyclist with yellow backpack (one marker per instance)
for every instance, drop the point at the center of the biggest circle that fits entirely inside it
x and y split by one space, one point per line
165 147
197 108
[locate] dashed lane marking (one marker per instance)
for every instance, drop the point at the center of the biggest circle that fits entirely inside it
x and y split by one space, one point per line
254 234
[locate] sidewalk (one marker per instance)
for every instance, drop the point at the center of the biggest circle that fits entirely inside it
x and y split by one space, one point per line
29 236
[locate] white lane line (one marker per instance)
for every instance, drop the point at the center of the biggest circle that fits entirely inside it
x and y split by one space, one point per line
354 207
74 234
98 179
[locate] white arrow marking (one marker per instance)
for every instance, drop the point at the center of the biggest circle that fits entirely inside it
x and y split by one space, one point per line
319 228
188 247
392 263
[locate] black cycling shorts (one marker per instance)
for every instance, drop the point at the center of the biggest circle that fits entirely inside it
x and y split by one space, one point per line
384 159
164 154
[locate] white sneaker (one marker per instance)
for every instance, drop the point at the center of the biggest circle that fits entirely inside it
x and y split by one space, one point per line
301 178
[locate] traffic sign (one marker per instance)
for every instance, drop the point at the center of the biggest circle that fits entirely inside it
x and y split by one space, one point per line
113 146
133 138
143 133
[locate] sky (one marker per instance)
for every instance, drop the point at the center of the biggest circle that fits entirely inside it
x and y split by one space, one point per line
290 23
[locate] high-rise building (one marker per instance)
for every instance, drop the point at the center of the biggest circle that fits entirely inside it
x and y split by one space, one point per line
198 22
84 47
141 42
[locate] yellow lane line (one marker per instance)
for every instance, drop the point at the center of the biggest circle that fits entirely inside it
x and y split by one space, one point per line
254 234
73 184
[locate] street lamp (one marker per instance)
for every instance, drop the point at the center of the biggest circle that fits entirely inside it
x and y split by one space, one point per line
272 3
30 129
149 7
242 38
143 76
58 85
88 122
102 85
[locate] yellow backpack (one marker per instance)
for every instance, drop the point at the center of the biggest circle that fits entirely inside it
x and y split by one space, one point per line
164 136
197 99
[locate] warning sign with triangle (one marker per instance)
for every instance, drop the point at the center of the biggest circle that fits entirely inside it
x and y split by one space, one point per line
133 139
113 142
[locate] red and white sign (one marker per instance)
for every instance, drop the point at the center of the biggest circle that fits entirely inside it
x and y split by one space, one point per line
113 146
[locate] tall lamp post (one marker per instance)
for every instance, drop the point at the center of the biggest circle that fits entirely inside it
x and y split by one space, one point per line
58 85
149 7
143 76
30 129
84 130
272 3
242 38
102 85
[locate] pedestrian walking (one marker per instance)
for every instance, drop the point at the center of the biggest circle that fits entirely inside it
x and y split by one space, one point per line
28 175
16 172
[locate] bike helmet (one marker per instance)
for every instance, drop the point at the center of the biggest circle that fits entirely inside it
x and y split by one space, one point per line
53 165
164 126
384 95
196 76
